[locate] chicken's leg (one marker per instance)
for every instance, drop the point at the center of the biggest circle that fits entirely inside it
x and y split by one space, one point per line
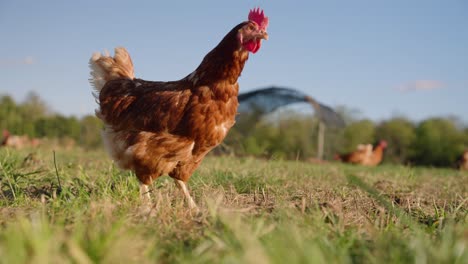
144 193
183 187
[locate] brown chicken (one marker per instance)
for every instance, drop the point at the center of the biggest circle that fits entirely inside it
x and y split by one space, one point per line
462 161
376 156
18 142
158 128
360 155
364 155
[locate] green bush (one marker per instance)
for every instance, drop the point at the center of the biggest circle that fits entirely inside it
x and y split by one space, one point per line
438 142
360 132
33 118
399 134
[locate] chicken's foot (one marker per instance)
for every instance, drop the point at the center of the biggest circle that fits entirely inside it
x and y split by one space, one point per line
145 193
183 187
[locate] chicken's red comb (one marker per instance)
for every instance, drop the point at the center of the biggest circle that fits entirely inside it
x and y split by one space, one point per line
257 16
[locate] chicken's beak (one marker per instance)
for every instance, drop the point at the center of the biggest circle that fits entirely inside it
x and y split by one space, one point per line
262 35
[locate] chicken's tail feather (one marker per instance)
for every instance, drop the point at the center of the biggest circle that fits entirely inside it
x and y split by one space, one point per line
105 68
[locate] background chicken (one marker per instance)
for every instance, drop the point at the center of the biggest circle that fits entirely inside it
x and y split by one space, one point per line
376 156
364 154
158 128
18 142
462 161
360 155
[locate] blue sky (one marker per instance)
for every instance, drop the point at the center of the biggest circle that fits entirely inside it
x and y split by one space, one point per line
385 58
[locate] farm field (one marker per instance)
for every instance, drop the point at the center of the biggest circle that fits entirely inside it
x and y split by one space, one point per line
82 209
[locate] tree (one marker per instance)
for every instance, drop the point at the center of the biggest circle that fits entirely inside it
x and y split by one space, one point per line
91 128
349 114
465 138
399 134
34 106
360 132
10 115
438 142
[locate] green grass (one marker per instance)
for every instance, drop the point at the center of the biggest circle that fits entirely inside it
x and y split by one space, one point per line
252 211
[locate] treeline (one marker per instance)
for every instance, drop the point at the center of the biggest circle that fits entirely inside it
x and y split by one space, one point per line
33 118
288 135
432 142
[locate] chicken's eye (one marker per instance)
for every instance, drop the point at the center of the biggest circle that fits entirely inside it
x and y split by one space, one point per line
251 27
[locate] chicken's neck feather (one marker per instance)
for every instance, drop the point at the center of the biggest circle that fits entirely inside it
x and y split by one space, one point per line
378 150
222 64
